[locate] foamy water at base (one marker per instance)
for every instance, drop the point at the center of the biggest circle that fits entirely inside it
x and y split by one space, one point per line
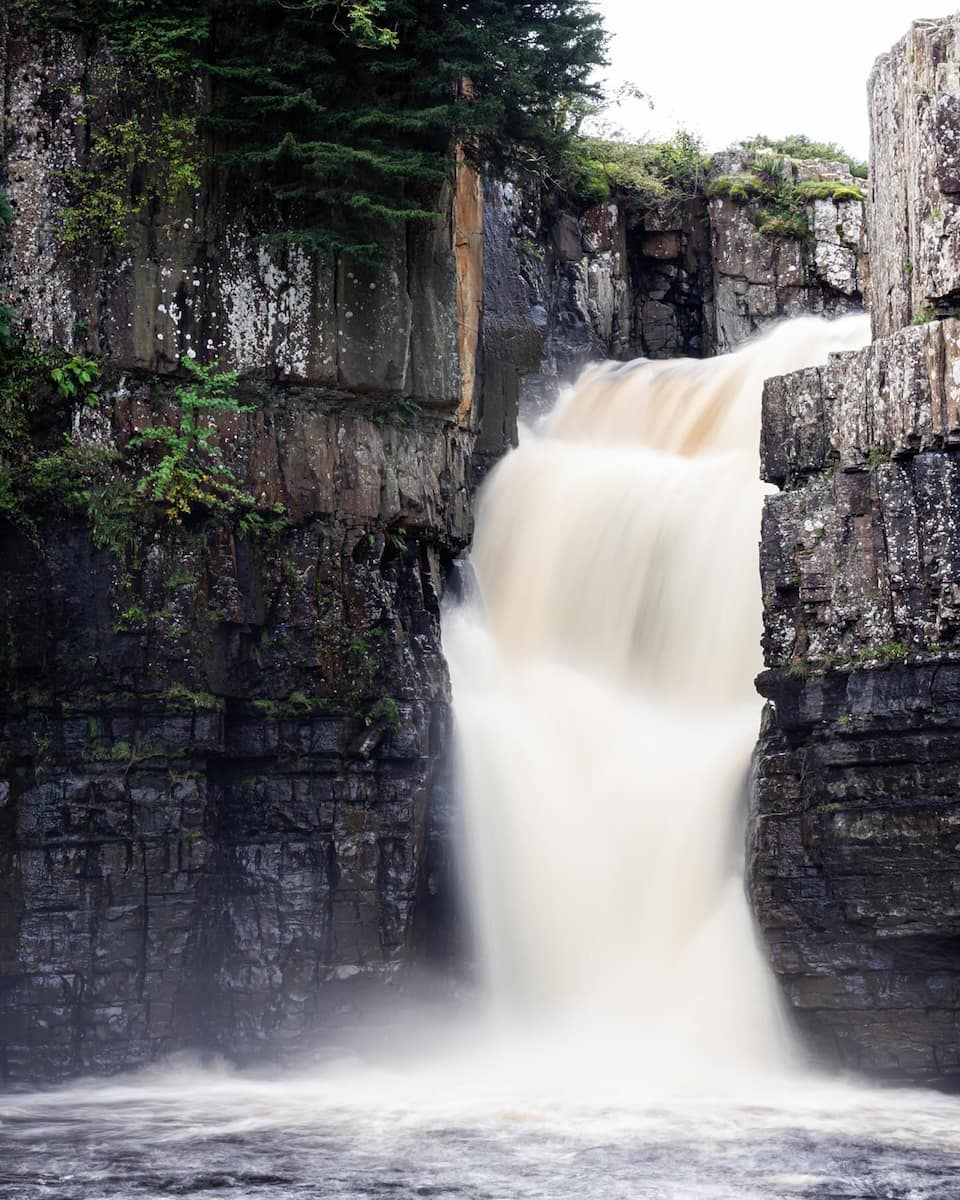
496 1124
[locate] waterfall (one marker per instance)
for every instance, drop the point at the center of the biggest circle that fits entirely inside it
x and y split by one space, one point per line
603 687
633 1048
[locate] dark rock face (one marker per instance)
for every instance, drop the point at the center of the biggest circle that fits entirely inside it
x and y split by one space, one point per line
563 287
854 859
218 765
673 280
853 863
222 788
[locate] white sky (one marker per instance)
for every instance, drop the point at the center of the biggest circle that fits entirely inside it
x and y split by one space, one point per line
728 71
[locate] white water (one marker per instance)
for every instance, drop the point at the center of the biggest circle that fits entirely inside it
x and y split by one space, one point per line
603 684
633 1051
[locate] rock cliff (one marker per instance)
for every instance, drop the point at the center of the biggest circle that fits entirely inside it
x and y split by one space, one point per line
691 276
853 864
221 741
222 738
758 277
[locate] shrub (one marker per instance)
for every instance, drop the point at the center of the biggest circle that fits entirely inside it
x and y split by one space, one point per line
644 173
799 146
189 472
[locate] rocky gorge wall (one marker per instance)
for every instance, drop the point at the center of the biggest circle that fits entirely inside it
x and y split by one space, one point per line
692 276
853 862
223 800
221 743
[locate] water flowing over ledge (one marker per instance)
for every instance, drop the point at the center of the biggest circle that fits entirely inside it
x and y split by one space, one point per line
631 1043
603 686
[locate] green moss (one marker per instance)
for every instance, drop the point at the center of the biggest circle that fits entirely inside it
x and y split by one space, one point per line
827 189
181 698
782 225
298 704
128 754
178 578
837 806
741 188
886 653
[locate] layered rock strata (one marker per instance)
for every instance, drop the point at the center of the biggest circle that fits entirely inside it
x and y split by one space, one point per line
219 753
689 277
222 745
854 868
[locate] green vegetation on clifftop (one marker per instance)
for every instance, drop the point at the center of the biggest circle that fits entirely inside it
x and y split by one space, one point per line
768 181
598 169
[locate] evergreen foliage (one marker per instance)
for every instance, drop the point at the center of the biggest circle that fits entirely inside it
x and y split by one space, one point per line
342 112
365 127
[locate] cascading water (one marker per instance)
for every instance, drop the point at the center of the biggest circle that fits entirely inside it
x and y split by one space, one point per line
603 686
603 681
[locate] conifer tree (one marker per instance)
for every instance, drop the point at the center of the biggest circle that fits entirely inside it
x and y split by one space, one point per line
351 111
345 113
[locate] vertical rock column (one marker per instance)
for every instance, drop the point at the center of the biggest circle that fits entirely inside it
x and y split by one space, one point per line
854 835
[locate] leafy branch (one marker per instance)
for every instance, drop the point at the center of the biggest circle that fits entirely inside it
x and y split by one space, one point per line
190 473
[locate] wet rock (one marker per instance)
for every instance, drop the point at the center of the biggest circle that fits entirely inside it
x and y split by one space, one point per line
205 814
219 753
853 867
897 396
854 854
